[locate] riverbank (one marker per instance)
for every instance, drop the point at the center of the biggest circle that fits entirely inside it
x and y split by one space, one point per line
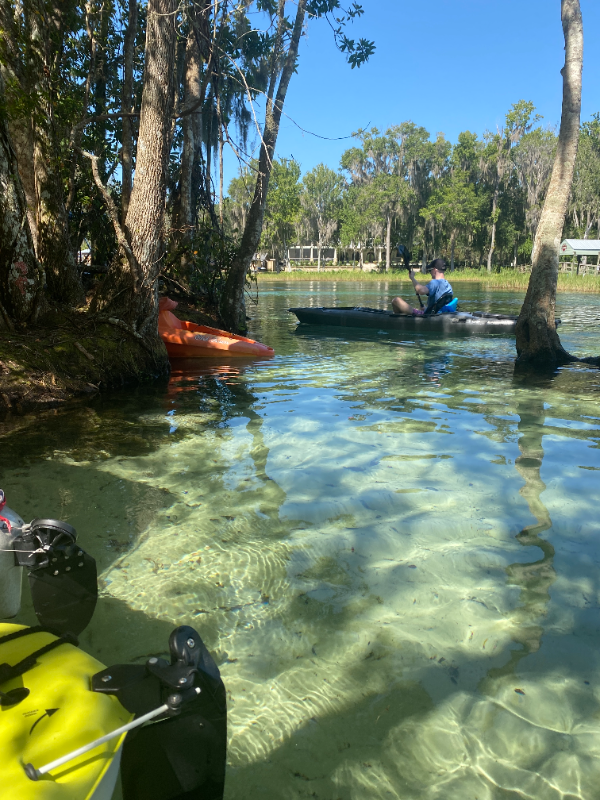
78 357
505 279
71 355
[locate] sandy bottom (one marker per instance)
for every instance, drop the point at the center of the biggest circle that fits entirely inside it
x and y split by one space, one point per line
391 547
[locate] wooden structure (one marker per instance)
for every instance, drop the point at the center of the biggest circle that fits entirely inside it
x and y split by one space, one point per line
581 249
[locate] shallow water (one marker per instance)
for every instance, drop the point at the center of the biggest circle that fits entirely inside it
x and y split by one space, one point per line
390 544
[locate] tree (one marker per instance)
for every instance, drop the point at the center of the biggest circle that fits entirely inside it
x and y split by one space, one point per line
585 203
533 157
35 48
538 342
21 277
321 199
419 163
283 64
360 215
283 205
455 205
376 168
130 290
497 163
238 200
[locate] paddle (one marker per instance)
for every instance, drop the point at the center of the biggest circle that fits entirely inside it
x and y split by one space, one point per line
405 255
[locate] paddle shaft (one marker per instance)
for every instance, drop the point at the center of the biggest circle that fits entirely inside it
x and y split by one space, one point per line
418 295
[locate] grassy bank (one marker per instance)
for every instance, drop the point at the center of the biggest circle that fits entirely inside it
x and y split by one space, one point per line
505 279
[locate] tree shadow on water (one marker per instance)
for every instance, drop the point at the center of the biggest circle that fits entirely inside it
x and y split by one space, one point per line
482 736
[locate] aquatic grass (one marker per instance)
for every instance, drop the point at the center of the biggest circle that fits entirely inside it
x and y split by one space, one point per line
504 279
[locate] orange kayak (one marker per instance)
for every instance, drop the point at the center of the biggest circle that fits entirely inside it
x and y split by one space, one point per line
188 340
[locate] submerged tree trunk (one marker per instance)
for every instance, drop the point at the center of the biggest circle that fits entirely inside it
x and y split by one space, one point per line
233 308
537 340
21 277
130 290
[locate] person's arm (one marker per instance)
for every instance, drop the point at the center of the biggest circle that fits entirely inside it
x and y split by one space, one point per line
419 287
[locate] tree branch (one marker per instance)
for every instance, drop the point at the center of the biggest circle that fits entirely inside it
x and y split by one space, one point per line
189 109
114 217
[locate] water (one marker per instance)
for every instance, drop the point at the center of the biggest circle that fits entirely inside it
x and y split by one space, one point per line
390 545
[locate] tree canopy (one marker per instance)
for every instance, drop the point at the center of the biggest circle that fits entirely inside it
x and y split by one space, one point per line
477 201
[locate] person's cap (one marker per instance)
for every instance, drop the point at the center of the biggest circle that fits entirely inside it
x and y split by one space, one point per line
437 263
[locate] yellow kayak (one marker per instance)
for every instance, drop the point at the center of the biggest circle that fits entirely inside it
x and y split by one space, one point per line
59 715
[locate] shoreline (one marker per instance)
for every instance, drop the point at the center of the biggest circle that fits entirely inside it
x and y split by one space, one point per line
505 279
70 356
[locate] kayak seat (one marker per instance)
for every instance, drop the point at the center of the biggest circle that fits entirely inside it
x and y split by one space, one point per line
449 308
439 304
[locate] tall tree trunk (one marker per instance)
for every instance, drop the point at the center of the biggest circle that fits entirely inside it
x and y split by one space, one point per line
220 140
452 243
89 83
537 340
494 222
21 277
127 107
233 307
130 290
192 189
21 135
185 220
388 243
53 245
206 54
208 144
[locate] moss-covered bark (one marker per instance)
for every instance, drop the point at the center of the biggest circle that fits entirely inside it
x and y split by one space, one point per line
72 356
21 278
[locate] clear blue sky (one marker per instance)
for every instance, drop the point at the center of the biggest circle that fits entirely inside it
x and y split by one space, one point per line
449 65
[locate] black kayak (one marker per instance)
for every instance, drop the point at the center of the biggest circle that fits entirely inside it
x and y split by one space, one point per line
451 324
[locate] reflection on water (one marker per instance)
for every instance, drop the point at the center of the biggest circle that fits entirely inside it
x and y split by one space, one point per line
390 545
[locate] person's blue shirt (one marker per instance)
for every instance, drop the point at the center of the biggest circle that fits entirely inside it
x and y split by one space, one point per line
437 288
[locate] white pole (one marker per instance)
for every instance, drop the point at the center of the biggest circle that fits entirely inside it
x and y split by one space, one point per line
35 774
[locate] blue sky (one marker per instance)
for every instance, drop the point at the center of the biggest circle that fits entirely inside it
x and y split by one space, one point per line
449 65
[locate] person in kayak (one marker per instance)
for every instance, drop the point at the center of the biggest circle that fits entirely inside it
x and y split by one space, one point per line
436 290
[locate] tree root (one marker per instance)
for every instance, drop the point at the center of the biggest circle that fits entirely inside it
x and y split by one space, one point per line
130 330
7 320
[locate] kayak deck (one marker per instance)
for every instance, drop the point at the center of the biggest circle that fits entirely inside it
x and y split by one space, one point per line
454 323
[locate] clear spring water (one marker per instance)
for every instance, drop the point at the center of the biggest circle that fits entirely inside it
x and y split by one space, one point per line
390 545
